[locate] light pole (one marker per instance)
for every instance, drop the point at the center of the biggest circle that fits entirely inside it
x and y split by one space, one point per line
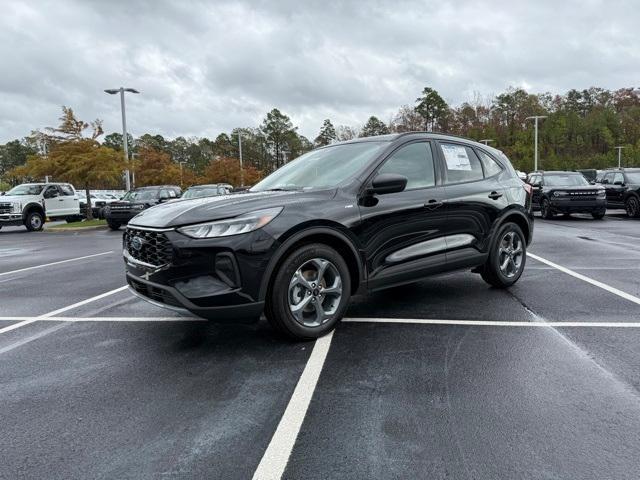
240 151
487 140
121 90
181 181
619 148
535 148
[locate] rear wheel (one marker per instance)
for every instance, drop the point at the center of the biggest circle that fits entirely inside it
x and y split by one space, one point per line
34 221
598 214
113 225
545 209
632 206
507 258
310 292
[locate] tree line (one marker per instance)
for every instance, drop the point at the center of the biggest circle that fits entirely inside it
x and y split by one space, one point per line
580 131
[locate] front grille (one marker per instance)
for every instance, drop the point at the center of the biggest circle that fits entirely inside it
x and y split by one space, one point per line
5 208
148 246
583 193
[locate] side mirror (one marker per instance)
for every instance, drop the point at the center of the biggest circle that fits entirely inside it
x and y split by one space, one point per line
388 183
592 182
163 199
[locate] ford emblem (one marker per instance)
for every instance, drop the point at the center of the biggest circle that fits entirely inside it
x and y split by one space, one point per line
136 243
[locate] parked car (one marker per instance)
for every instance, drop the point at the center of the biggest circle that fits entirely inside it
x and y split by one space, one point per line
622 188
30 204
118 213
566 192
589 173
211 190
350 217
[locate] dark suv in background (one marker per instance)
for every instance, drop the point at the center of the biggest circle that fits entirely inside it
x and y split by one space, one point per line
135 201
566 192
348 218
623 189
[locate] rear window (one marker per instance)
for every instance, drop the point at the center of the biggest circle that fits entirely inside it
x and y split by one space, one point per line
491 167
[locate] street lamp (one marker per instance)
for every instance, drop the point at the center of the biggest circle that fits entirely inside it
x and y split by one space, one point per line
487 140
240 151
121 90
619 148
535 148
181 164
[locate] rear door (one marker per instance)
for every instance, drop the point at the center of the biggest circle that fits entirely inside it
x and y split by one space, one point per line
403 233
475 199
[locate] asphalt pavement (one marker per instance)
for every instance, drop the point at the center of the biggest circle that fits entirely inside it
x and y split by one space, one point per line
446 378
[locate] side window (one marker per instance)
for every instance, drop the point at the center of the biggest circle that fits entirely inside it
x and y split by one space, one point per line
164 193
462 164
618 177
51 192
415 161
66 190
491 167
608 178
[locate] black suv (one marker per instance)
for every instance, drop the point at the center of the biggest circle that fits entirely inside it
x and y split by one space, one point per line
348 218
566 192
135 201
623 189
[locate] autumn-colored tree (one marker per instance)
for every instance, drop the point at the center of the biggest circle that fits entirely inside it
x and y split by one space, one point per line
154 167
74 158
227 170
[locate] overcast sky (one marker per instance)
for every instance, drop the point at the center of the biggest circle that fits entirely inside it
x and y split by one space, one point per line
206 67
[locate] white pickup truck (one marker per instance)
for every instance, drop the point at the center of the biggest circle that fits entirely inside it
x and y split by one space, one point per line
30 204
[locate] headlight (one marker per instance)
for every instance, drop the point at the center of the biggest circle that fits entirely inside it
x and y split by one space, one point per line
559 193
138 207
602 194
17 207
245 223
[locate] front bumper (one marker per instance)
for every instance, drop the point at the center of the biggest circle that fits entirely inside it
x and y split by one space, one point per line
218 279
11 219
571 205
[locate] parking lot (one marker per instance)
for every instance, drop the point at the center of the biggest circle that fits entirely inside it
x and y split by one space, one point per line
446 378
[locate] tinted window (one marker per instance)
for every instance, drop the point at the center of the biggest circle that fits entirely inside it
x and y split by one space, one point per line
491 167
66 190
462 164
415 162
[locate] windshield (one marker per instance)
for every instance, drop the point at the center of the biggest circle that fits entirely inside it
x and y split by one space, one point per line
26 190
323 168
200 192
568 180
136 195
633 177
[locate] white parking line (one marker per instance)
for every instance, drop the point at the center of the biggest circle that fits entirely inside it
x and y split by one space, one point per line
493 323
56 263
275 458
584 278
61 310
110 319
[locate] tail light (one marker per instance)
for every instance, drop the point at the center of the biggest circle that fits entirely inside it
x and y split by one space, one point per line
528 188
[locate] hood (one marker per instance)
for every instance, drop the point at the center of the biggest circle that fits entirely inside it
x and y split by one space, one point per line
199 210
18 198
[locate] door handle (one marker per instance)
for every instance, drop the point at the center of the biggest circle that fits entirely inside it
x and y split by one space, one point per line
494 195
433 204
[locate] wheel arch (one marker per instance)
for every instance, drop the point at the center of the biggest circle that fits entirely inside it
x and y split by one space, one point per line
519 218
30 207
326 234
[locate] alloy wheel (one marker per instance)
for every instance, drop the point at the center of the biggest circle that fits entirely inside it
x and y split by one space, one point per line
510 254
36 222
632 206
315 291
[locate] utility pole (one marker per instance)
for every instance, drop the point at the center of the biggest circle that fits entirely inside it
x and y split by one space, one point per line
240 150
619 148
125 143
535 142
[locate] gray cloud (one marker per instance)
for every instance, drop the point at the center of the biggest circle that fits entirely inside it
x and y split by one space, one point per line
206 67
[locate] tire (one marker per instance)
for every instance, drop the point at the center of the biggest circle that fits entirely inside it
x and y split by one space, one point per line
632 206
34 221
598 214
545 209
295 284
499 271
113 225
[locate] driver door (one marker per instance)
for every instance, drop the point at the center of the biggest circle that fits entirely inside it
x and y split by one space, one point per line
53 201
403 233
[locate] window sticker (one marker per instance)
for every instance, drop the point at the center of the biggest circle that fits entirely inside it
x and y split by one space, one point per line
456 157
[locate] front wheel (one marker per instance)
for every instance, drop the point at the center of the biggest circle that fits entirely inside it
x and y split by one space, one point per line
113 225
34 222
309 293
632 206
545 209
598 214
507 257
